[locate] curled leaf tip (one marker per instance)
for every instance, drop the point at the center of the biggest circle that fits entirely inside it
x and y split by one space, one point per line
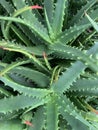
36 7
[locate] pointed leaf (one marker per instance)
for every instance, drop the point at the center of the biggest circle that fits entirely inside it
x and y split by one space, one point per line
19 102
39 93
71 113
59 16
52 115
70 75
64 50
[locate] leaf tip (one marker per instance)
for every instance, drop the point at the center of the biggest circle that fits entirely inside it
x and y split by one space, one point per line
36 7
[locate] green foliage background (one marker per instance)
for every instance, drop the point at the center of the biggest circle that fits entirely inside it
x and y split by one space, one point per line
49 65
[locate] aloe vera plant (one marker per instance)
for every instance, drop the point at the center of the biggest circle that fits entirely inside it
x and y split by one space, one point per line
49 67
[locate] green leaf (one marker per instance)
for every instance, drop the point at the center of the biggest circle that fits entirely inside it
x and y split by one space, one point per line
64 51
85 84
92 22
73 32
23 29
36 28
49 7
84 20
90 116
59 13
52 115
70 75
36 50
85 87
20 35
74 123
72 115
7 5
19 102
11 46
38 120
4 91
13 65
80 13
10 115
38 93
11 125
29 14
39 78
